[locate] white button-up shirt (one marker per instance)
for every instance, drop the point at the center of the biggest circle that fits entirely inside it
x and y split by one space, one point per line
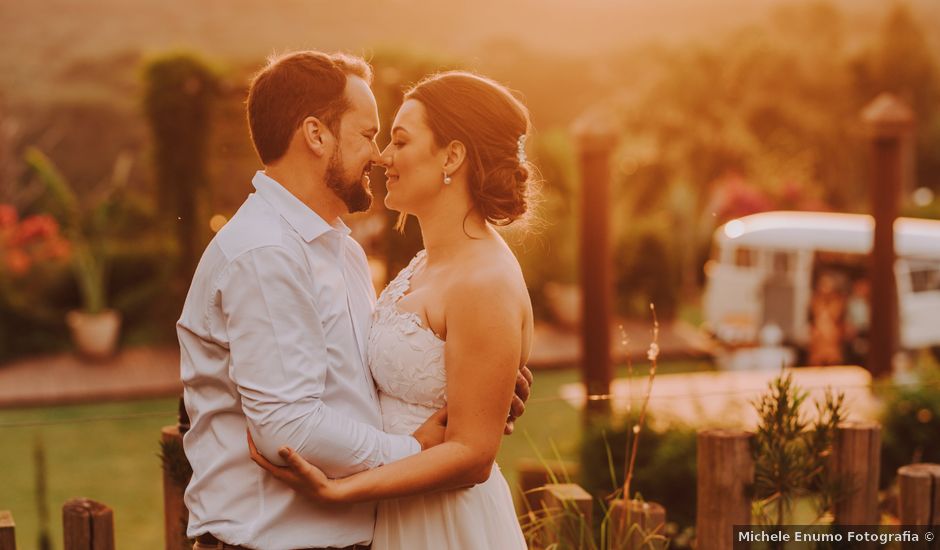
273 337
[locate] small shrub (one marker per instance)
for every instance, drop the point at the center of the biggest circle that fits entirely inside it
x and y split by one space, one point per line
910 424
791 455
665 470
647 269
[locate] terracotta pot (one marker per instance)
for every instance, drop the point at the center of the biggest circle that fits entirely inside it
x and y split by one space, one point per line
94 335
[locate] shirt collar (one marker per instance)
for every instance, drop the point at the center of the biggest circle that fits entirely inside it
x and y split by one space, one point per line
307 223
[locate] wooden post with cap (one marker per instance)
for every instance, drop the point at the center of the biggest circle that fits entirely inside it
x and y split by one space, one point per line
7 531
887 122
87 525
596 136
919 494
568 520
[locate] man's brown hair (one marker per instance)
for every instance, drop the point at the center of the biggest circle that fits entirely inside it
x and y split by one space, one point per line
294 86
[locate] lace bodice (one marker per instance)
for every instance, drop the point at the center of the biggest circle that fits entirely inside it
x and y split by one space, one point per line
406 359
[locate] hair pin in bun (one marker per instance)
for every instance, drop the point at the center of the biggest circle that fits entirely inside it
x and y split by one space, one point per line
520 151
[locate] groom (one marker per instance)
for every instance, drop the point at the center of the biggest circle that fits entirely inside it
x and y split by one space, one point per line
274 330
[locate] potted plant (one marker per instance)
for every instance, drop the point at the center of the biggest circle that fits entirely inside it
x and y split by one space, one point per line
94 327
33 254
34 263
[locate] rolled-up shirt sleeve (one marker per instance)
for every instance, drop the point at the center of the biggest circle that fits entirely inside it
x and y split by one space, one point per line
279 364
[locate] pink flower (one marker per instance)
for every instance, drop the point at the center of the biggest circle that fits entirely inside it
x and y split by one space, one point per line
736 198
8 216
18 261
58 249
38 227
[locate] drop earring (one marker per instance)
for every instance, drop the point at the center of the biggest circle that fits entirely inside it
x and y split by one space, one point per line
447 179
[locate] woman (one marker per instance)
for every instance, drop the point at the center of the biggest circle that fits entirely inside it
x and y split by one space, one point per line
457 163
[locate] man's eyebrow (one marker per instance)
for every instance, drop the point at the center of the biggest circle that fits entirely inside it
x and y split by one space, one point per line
371 130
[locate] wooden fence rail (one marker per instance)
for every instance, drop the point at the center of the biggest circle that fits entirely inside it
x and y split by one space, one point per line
725 470
726 474
565 510
86 525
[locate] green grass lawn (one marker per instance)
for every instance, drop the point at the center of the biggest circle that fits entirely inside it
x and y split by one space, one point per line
113 461
109 452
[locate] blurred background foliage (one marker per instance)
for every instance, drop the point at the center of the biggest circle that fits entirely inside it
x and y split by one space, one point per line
753 109
911 421
725 108
665 467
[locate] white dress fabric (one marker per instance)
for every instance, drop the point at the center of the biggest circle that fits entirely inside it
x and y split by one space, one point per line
407 362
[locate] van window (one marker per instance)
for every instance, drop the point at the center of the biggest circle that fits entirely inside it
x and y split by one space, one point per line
925 276
782 262
745 257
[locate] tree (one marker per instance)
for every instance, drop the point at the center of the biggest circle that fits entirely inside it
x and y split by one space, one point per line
900 61
178 101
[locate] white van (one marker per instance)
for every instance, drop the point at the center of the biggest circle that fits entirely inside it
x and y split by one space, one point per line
765 267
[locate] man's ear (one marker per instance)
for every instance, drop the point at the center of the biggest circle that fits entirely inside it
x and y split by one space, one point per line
456 154
316 135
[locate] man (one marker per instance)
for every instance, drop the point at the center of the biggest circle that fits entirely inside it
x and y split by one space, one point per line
274 330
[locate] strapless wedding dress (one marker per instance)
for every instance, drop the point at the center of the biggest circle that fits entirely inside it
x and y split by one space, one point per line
407 362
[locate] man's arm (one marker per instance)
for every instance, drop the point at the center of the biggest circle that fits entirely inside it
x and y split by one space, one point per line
279 363
481 370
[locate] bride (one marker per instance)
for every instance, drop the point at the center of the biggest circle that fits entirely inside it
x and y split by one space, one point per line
452 328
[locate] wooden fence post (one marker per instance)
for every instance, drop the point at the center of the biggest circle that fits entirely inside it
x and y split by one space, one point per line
87 525
888 121
919 498
649 519
533 475
176 475
856 463
569 524
7 531
725 475
596 136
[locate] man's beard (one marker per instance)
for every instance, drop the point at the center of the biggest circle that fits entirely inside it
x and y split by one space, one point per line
355 195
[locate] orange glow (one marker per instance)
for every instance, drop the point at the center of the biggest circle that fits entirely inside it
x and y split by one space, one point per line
217 222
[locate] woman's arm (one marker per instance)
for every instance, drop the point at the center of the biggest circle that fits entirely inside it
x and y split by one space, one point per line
482 354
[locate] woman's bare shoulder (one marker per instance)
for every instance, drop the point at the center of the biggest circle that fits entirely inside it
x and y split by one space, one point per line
487 267
489 278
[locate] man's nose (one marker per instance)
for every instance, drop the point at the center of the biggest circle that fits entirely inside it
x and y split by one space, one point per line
376 156
385 157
